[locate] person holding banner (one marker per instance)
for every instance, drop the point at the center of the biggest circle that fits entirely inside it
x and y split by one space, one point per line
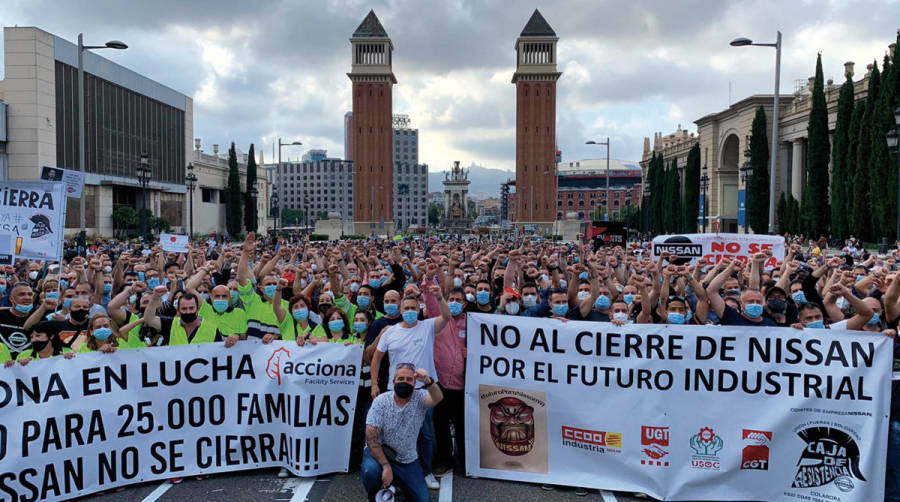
187 327
13 333
261 320
100 336
298 325
44 345
230 320
392 426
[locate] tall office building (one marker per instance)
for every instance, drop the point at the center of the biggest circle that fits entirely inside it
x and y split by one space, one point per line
410 177
318 185
372 77
535 80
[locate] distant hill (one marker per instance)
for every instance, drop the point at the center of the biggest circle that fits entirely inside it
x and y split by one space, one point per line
485 181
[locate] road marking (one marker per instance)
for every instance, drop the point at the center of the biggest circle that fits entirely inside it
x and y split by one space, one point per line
446 493
158 492
300 486
607 496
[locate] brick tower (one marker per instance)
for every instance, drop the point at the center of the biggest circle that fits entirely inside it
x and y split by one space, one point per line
535 81
372 133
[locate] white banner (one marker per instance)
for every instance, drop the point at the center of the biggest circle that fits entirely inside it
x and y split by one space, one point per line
715 247
173 243
98 421
33 212
73 179
679 412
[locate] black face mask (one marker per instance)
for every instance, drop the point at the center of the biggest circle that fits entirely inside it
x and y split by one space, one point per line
78 315
777 306
403 390
39 346
324 307
189 318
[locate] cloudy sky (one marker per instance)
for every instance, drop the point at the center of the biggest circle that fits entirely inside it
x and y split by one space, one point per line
266 69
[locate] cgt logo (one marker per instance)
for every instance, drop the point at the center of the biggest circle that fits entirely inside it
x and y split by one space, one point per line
755 453
654 445
598 438
276 362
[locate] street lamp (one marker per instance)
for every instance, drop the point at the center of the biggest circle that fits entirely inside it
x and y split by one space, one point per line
112 44
143 172
191 180
253 194
305 214
741 42
280 144
704 186
274 204
592 142
746 174
892 140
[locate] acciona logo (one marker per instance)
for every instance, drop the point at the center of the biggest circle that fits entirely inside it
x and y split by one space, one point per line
279 366
275 363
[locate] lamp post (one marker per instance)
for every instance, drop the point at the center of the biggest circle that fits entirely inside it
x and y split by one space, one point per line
253 194
305 214
144 172
745 178
280 144
191 181
893 138
741 42
606 216
704 186
112 44
274 203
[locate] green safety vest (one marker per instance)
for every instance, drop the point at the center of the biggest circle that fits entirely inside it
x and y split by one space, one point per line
4 353
206 333
134 336
228 323
290 329
261 318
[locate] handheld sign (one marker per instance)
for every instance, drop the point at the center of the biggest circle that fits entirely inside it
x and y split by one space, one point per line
74 180
173 243
32 211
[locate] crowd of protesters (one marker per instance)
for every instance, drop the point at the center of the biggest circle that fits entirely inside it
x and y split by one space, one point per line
406 302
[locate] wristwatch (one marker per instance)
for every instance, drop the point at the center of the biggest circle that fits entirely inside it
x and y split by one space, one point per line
430 383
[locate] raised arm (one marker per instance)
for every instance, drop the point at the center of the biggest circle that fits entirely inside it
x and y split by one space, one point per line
716 303
150 318
280 313
441 321
244 263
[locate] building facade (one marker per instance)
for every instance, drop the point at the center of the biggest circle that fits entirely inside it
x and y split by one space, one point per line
372 132
410 177
209 195
126 114
317 187
535 80
582 188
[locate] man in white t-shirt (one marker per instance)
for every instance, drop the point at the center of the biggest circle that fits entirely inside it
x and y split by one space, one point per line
412 341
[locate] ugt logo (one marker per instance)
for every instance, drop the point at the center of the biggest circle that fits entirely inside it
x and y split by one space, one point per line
273 366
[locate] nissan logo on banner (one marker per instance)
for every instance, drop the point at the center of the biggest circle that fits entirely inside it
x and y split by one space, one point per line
678 246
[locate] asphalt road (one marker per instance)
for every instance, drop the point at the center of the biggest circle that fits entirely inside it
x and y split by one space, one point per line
264 486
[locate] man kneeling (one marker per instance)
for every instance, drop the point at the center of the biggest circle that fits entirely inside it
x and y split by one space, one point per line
392 428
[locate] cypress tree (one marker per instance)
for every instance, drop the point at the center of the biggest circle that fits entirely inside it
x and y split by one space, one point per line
781 214
673 207
839 171
815 212
877 155
891 100
851 193
250 221
795 216
692 189
233 195
657 194
882 159
860 222
758 190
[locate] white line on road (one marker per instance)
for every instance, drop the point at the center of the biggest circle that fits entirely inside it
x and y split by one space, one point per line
158 492
607 496
300 486
446 493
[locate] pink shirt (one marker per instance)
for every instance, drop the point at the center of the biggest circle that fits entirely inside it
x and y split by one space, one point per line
448 346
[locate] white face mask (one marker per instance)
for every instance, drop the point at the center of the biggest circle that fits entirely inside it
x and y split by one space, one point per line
470 297
457 282
512 308
563 284
33 275
583 294
621 316
529 301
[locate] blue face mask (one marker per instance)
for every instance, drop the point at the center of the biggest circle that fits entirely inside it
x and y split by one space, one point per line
67 302
2 289
820 324
220 305
483 297
505 261
384 279
874 320
602 302
455 308
141 277
64 284
360 327
336 325
53 295
674 318
391 309
107 288
799 297
560 309
234 296
23 308
363 301
860 277
270 290
410 317
300 314
753 310
628 298
583 276
152 283
374 283
102 334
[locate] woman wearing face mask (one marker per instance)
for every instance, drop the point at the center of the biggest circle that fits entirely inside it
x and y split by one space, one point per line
294 322
44 345
334 329
101 336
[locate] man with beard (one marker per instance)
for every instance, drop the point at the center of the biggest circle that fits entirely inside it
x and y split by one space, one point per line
13 334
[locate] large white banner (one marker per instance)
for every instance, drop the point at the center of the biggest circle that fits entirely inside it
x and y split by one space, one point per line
32 212
74 427
715 247
679 412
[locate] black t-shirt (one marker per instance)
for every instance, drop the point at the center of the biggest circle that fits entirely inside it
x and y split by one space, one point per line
66 331
12 334
574 314
374 330
732 317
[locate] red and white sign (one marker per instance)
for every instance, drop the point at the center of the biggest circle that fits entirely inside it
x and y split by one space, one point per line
654 445
173 243
716 247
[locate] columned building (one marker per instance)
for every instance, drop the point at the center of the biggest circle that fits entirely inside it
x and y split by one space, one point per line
535 80
675 146
372 131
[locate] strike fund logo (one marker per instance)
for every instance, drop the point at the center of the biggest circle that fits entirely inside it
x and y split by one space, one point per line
654 445
755 453
830 455
706 445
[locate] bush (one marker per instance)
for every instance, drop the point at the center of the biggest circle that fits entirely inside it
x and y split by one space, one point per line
356 237
318 237
555 237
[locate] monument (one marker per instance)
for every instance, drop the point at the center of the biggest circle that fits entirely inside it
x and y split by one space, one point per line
456 197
